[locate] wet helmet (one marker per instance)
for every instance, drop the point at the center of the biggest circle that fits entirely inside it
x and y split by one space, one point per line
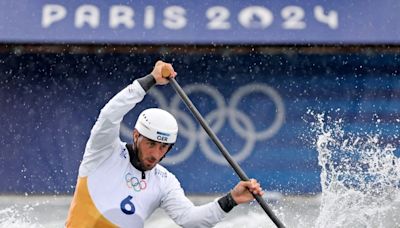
158 125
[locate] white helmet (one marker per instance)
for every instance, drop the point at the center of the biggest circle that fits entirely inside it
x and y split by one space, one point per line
158 125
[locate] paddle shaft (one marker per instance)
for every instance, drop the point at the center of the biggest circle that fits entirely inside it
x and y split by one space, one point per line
222 149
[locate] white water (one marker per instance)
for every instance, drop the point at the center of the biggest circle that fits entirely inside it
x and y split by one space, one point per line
360 177
360 180
18 217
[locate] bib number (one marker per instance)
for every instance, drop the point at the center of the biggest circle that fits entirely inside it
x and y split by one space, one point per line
127 206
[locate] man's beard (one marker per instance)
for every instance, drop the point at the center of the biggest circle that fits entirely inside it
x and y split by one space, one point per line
135 158
142 162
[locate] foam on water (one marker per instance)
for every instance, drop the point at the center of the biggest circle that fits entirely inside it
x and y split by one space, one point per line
360 177
18 217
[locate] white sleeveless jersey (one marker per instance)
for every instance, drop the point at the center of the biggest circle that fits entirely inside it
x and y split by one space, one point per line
111 192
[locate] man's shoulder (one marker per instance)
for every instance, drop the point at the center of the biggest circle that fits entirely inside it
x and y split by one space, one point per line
166 178
163 172
123 150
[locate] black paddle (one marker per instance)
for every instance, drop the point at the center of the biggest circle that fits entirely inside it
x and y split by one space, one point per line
165 73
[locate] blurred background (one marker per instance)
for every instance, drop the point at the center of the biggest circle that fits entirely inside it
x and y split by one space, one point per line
260 72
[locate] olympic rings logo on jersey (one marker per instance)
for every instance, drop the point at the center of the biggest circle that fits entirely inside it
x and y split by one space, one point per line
133 182
239 121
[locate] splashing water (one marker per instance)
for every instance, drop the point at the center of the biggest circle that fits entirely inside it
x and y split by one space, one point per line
18 217
360 177
360 181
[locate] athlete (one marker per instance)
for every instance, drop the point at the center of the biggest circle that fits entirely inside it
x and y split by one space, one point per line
120 184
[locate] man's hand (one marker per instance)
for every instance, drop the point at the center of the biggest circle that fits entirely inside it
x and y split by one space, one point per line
241 193
157 74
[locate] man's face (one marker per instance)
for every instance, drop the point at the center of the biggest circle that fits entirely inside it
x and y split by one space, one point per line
149 152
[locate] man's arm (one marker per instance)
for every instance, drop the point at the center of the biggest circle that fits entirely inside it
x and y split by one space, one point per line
185 214
104 136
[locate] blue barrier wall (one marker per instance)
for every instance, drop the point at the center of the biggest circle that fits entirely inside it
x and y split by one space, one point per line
255 102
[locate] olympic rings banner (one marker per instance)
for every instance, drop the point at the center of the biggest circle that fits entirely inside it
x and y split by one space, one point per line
257 105
200 22
222 113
